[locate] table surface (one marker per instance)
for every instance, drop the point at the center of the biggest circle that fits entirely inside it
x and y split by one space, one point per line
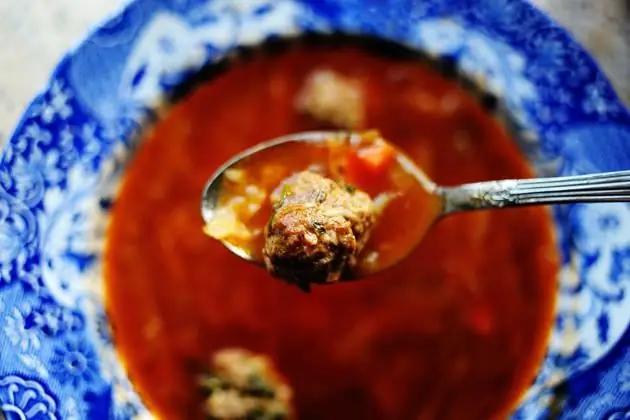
40 31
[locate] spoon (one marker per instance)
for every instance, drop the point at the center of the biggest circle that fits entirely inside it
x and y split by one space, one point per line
439 201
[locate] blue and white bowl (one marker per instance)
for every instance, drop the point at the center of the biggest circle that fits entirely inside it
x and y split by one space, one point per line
59 173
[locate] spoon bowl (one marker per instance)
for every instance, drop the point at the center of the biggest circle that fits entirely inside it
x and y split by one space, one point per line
422 192
423 204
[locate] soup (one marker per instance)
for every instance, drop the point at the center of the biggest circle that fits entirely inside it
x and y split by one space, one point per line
455 331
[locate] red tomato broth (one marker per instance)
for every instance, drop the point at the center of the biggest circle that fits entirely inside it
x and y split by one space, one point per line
455 331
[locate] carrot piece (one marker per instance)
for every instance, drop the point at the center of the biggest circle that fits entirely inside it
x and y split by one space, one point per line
370 162
377 158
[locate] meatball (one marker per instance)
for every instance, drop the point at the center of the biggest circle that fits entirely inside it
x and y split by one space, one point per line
242 386
333 98
317 229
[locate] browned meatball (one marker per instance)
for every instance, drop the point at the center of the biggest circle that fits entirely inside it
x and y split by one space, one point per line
245 386
333 98
317 229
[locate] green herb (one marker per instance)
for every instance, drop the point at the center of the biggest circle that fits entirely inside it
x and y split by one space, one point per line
210 384
278 416
319 228
270 221
258 387
350 188
256 414
286 190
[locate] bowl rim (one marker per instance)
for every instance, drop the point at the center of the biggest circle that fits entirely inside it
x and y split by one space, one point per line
114 15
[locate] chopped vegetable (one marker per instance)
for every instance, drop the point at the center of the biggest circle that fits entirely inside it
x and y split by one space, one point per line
227 225
375 159
378 158
366 162
230 220
235 175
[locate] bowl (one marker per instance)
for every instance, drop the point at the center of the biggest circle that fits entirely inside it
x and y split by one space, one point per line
61 168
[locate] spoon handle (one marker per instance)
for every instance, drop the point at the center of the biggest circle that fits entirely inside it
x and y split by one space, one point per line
602 187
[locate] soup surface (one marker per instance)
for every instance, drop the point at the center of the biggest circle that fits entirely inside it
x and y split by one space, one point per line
455 331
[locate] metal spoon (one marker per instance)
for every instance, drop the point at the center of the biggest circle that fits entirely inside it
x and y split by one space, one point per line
601 187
